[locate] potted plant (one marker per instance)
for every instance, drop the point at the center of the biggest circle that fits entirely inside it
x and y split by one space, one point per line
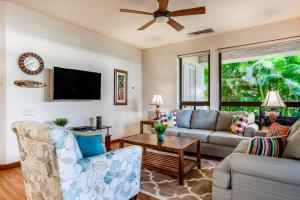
61 122
160 129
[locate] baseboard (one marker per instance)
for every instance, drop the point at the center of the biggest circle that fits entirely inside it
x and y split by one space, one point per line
9 166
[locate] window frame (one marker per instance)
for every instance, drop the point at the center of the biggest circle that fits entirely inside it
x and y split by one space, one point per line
193 103
247 104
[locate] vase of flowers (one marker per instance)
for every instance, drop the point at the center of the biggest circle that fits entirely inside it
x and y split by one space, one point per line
160 129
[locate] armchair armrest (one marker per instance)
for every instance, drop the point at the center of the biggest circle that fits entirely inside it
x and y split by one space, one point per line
113 175
277 169
242 147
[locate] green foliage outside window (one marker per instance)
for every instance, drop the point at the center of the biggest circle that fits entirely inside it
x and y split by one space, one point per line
206 82
250 81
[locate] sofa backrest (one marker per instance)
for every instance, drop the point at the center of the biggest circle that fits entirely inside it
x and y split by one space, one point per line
208 119
183 118
225 119
204 119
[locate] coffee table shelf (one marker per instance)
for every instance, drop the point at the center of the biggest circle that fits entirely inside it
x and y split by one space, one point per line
169 158
166 163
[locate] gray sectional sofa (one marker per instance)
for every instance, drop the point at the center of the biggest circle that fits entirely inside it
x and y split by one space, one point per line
212 128
241 176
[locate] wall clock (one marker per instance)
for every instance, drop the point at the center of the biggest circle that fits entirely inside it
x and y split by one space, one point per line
31 63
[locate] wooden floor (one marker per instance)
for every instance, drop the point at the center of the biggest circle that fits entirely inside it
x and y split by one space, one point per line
12 185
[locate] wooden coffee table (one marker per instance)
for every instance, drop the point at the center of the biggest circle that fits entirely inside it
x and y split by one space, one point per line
167 163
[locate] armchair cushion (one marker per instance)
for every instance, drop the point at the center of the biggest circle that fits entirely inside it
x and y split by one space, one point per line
276 169
90 145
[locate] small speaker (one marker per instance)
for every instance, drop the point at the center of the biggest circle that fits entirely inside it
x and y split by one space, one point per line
99 122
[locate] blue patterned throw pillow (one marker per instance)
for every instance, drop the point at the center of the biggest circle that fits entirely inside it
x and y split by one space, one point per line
90 145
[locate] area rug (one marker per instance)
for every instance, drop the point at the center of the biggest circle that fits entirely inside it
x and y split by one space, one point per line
197 184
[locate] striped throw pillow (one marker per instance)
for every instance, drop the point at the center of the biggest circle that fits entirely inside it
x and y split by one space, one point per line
267 146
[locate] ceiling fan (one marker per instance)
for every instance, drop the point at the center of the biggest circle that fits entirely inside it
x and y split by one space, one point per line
162 15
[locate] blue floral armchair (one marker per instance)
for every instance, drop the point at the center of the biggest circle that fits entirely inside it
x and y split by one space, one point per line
54 169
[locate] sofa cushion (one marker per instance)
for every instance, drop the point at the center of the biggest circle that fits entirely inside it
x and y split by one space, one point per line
204 119
199 134
173 131
222 174
294 127
225 138
183 118
224 121
292 149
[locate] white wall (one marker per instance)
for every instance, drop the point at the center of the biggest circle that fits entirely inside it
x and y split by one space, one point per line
65 45
160 67
2 87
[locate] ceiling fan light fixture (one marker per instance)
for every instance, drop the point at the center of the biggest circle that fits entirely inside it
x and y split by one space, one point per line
162 19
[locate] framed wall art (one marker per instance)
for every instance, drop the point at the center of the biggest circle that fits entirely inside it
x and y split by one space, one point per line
120 87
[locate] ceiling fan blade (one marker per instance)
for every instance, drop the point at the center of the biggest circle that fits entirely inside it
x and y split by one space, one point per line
191 11
135 12
175 25
163 5
146 25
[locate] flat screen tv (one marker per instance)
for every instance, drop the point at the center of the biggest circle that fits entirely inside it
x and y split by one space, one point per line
70 84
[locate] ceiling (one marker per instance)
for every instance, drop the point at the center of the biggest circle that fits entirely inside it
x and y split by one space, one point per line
103 16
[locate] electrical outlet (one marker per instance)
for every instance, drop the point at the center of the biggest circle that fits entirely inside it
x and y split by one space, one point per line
28 112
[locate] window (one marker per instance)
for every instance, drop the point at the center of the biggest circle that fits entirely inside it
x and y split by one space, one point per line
248 74
194 80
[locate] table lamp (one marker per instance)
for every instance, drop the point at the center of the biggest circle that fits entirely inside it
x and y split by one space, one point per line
157 101
273 101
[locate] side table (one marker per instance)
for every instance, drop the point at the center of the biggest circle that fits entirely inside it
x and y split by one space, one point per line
107 137
145 122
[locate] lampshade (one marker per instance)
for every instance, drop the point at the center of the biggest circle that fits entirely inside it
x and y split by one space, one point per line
273 100
157 100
